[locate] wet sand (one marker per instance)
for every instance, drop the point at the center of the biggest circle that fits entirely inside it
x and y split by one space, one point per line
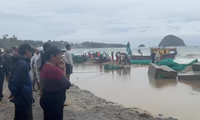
82 105
134 88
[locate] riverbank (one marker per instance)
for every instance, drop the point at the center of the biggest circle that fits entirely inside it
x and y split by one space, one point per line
82 105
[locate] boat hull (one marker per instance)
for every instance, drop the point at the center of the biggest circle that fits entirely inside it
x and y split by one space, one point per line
135 57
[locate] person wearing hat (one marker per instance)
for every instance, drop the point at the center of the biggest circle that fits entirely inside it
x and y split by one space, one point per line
33 70
54 85
68 61
20 84
40 61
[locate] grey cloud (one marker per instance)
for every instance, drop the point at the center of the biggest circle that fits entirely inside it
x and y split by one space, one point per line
146 21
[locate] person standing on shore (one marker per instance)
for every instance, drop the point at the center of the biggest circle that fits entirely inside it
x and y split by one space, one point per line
54 84
3 71
39 61
33 70
68 61
8 59
20 84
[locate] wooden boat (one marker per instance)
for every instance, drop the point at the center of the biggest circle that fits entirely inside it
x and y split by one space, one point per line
102 60
165 53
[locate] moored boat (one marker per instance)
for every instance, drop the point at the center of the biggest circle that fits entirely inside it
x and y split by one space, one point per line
165 53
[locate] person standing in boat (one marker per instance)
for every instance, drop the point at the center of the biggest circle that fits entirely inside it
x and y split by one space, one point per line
153 54
157 57
127 60
112 55
161 56
104 56
140 52
116 55
120 58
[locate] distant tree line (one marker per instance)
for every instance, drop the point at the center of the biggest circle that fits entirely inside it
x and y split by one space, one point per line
8 42
101 45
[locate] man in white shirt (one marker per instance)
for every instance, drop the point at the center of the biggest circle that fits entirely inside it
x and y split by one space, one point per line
39 62
33 70
69 61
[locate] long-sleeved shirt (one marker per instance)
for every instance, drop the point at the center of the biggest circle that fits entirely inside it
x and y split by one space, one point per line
38 61
53 79
20 82
157 57
32 64
54 83
68 58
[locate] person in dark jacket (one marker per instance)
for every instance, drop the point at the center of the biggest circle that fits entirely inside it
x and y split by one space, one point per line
20 84
8 59
3 71
153 54
54 84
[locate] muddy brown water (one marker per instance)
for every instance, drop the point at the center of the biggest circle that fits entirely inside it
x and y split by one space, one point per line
134 88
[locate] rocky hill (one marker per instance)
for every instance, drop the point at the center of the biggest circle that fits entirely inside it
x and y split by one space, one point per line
141 45
171 40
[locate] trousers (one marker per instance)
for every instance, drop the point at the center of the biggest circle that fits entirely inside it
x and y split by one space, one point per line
23 112
1 87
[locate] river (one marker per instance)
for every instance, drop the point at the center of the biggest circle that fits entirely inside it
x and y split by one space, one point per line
134 88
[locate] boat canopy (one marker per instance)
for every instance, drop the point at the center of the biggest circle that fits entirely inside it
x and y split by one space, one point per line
163 51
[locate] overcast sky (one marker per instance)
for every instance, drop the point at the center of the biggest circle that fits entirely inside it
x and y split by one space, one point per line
137 21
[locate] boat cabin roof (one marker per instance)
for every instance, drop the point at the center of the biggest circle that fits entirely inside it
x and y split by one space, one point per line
169 49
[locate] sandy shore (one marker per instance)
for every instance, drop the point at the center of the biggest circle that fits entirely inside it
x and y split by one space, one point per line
82 105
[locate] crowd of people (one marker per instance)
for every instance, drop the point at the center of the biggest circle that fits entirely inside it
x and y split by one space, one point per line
156 56
122 58
25 67
101 57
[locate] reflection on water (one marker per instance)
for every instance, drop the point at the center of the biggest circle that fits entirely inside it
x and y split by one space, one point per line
81 68
195 84
87 68
134 88
120 72
161 83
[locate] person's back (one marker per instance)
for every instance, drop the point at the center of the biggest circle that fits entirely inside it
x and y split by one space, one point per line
153 56
157 57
